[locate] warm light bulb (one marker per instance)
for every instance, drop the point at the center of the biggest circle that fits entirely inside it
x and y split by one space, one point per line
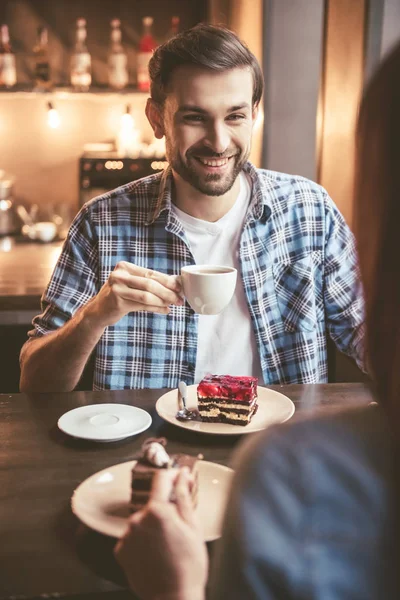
53 118
128 136
6 244
127 122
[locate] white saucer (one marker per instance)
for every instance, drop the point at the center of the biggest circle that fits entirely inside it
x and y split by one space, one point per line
104 422
273 407
102 500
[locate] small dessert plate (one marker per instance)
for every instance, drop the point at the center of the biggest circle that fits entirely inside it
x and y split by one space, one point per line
273 407
104 422
102 501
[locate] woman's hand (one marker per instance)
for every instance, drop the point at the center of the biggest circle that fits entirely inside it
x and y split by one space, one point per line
162 553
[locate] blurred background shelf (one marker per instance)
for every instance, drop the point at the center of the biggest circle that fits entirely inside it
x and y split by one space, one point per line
27 90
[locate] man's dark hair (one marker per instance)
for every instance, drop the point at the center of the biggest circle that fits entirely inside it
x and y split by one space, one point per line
213 47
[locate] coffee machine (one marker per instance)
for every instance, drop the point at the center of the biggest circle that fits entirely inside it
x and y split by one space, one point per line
100 172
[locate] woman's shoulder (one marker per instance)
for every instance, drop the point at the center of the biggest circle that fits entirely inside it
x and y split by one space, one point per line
339 444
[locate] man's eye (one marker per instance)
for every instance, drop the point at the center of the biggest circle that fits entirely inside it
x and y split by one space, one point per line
236 117
194 118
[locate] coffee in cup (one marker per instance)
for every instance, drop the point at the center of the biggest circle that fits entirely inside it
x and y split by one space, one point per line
208 288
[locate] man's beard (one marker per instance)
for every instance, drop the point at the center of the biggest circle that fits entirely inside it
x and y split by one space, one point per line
210 184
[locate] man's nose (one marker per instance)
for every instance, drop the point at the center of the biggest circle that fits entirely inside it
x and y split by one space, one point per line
217 137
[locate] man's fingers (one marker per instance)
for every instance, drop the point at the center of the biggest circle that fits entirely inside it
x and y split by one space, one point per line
155 287
162 310
140 297
184 502
143 289
171 282
176 283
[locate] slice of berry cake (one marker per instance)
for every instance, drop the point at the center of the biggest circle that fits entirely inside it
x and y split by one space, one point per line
227 399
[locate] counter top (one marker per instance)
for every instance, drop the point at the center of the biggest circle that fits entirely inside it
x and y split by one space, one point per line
25 270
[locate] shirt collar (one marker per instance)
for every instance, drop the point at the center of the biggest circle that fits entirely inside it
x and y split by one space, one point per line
163 200
259 208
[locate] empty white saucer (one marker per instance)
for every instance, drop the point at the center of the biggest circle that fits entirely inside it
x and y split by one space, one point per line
104 422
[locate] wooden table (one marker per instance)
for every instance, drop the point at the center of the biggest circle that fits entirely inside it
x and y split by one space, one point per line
44 548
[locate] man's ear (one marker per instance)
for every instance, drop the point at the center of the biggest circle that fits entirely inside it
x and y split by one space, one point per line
155 117
256 110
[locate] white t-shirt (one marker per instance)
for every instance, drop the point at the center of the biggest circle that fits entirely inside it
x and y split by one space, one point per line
226 342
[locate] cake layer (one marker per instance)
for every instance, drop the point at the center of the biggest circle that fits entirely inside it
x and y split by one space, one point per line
225 420
140 496
203 400
237 407
220 416
216 410
141 484
229 387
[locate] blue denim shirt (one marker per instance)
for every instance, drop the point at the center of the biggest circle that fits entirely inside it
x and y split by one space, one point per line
298 266
311 514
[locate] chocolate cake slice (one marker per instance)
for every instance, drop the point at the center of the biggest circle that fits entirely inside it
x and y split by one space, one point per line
227 399
154 457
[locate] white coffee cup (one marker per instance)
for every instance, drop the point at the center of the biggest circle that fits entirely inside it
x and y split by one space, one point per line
208 288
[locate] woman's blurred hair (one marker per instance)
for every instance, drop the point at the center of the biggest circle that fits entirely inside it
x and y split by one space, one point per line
377 206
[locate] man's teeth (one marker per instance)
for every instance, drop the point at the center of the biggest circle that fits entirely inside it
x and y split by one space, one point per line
210 162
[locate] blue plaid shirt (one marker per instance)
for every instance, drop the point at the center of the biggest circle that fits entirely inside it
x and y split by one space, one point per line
298 265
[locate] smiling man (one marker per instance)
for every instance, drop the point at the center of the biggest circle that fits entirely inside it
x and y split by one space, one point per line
115 289
207 121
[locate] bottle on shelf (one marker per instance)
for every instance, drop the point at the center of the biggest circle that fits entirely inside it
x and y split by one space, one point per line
147 45
8 71
42 73
174 28
117 59
81 63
